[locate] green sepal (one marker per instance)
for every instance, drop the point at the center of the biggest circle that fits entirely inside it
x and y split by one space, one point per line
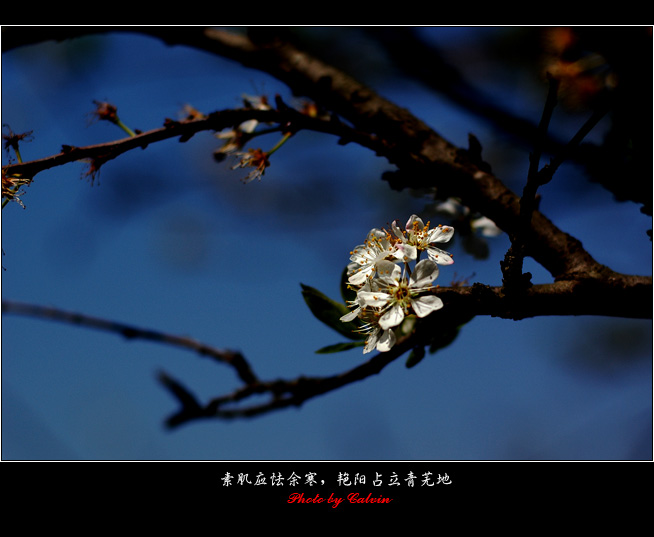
340 347
330 312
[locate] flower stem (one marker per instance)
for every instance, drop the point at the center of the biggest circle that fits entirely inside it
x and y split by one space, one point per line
124 127
280 143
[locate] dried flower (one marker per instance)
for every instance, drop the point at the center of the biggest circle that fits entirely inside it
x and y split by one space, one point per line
253 158
11 188
105 111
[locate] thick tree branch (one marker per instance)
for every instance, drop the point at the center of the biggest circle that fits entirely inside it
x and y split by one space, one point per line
425 158
618 296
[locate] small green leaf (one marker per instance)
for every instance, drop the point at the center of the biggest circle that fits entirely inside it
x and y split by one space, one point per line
330 312
442 334
444 339
447 333
340 347
416 356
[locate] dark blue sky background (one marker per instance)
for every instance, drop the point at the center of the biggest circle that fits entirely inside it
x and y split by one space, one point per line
169 239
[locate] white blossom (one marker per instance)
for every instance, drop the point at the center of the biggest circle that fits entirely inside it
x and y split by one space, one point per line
379 339
364 257
398 297
418 237
257 103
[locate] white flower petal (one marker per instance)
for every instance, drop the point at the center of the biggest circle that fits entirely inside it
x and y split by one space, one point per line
397 230
486 225
440 234
359 277
371 342
357 252
414 218
376 233
450 208
388 272
249 125
374 299
425 305
439 256
408 251
386 341
425 272
350 316
392 317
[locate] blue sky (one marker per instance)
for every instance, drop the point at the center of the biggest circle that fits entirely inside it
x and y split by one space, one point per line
169 239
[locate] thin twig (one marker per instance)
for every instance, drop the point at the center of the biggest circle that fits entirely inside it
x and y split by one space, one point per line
229 357
184 130
573 144
283 393
513 279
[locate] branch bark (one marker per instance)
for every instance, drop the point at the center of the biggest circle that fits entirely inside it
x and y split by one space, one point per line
425 158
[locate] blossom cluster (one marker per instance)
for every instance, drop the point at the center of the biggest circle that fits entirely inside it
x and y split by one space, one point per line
237 137
387 289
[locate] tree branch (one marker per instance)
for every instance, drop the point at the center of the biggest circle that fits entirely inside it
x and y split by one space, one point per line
425 159
287 119
231 358
624 296
184 129
513 260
